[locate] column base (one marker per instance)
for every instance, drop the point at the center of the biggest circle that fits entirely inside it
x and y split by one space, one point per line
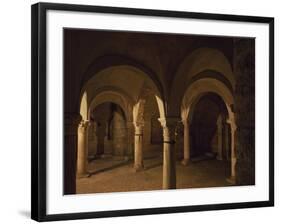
185 162
138 168
231 180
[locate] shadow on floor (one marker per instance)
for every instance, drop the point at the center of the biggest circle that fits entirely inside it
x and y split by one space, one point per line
151 166
123 163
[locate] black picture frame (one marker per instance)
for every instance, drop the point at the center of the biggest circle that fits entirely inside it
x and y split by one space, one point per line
39 122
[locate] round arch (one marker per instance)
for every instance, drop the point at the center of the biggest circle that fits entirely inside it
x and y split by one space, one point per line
202 86
129 71
198 65
110 61
218 99
191 96
113 97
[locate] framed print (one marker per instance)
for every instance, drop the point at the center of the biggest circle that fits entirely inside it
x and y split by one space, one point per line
138 111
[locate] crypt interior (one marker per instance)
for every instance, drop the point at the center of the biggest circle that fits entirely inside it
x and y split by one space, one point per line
152 111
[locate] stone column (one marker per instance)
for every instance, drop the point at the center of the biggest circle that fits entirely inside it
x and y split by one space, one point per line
82 160
169 154
186 150
71 122
232 178
138 146
219 131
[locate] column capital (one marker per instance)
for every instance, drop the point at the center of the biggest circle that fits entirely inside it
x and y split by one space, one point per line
84 124
169 121
185 122
138 124
231 121
233 126
138 127
71 123
169 125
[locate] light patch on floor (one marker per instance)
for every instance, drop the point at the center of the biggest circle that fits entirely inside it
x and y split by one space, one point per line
118 175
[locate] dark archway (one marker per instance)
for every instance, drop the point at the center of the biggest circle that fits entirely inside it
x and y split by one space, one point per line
108 133
208 128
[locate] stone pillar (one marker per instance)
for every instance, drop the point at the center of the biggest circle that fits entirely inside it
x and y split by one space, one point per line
169 154
186 146
138 165
219 131
71 122
82 160
232 178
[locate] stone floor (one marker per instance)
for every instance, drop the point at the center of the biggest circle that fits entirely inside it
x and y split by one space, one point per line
113 174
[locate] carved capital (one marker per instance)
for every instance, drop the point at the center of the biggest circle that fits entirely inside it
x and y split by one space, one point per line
169 121
233 126
138 128
185 123
83 126
138 124
231 121
169 125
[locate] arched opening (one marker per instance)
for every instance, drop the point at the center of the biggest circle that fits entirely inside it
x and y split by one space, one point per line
209 130
148 132
201 63
121 117
107 133
207 111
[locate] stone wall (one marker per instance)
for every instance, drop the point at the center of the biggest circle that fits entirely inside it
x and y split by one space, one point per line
110 127
119 133
244 70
